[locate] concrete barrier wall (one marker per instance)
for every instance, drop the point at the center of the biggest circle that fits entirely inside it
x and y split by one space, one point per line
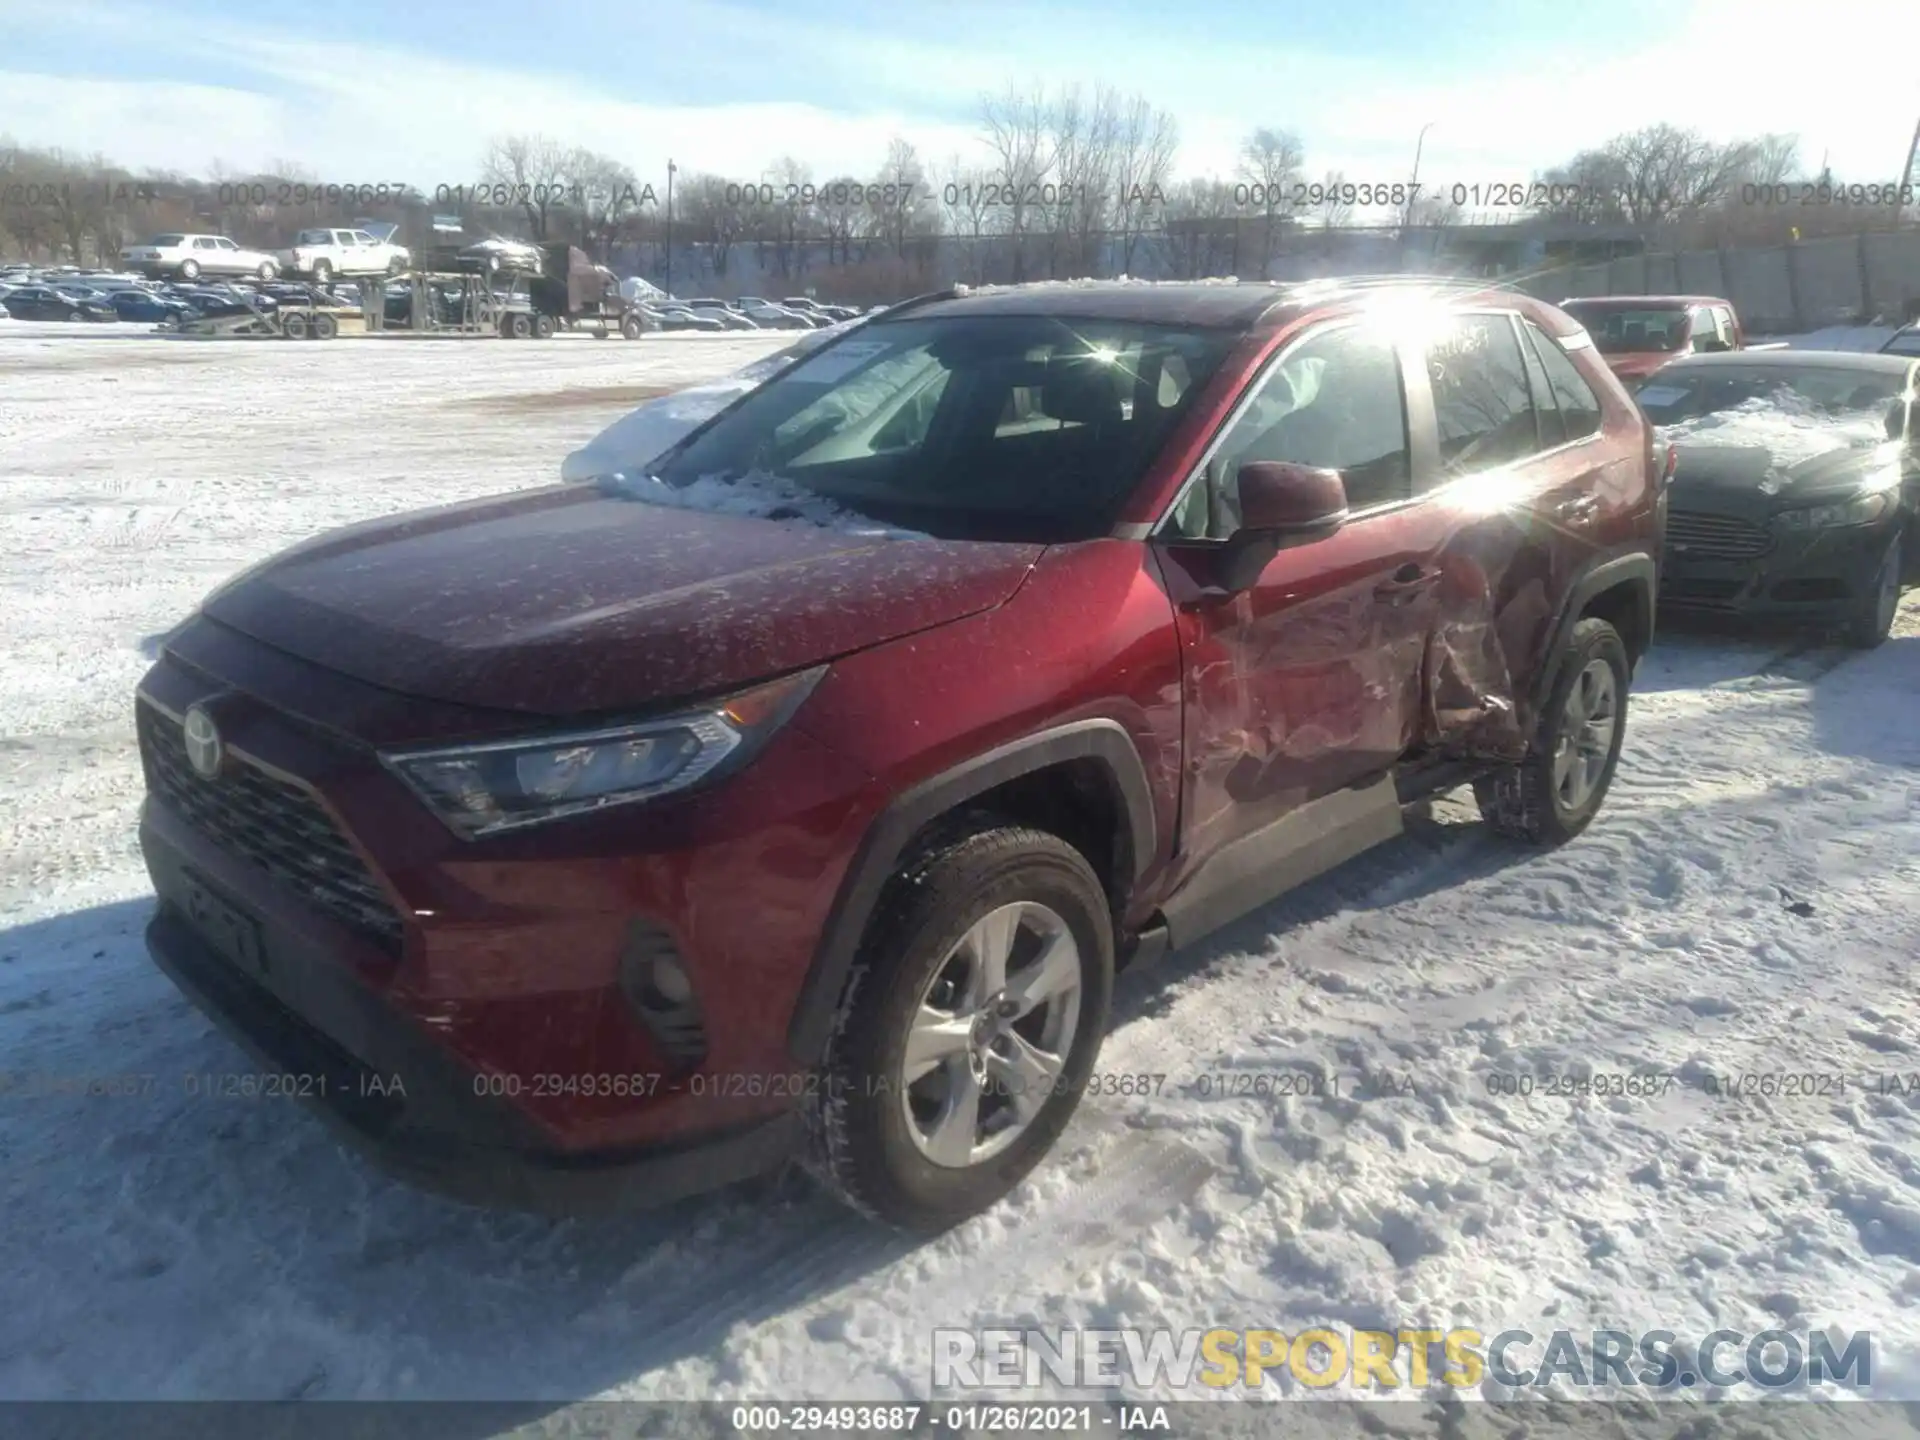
1839 280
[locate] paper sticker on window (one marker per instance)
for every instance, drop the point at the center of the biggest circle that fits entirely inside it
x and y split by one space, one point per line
1658 395
842 360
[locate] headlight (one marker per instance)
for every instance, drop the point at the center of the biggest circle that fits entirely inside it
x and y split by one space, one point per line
484 789
1861 510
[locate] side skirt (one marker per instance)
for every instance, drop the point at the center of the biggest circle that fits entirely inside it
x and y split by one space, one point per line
1298 847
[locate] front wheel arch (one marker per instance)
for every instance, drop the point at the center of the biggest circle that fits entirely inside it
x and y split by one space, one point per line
917 816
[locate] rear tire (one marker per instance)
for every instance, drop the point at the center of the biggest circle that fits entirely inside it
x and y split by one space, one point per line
926 1152
294 327
543 328
516 326
190 270
1553 794
267 271
325 327
1872 618
322 272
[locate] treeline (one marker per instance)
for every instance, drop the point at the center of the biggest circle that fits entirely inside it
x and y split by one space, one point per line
1699 194
1063 183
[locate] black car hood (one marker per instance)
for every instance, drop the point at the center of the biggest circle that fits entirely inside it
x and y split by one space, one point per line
1752 479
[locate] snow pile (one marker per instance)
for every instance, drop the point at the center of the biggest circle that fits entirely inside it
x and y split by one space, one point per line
1785 425
759 494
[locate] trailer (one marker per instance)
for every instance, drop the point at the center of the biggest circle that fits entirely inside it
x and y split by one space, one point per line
243 321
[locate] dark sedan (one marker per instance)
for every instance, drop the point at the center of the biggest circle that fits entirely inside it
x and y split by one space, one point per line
43 302
144 307
1796 485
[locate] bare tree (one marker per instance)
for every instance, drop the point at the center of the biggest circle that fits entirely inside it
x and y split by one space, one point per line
1146 141
906 209
532 173
1334 210
1016 132
1271 164
964 214
607 196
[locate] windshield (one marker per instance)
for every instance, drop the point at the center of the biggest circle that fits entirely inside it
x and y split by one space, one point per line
1618 331
990 427
1676 394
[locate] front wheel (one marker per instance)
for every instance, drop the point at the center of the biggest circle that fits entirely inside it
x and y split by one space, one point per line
968 1028
1872 618
1553 794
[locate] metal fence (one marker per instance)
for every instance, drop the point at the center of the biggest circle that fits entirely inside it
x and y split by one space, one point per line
1842 280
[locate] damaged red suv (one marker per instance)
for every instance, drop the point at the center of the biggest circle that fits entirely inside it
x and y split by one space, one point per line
798 794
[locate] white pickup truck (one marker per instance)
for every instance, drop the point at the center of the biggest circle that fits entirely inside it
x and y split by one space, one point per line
323 254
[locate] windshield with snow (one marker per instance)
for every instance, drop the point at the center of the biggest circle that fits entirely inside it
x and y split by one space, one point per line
1675 393
1629 332
986 427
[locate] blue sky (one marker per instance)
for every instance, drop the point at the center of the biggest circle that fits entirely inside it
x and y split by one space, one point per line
384 91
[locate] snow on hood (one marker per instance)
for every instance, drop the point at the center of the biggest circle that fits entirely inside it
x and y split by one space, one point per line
766 496
1791 429
632 443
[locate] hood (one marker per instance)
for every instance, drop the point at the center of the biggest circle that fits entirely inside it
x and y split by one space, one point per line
569 600
1757 479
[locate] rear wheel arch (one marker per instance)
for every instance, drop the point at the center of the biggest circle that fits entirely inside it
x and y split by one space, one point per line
1083 782
1622 586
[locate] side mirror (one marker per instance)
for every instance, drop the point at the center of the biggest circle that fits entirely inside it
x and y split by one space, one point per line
1291 502
1281 505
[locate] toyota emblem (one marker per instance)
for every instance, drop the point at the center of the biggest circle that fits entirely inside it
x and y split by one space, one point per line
204 750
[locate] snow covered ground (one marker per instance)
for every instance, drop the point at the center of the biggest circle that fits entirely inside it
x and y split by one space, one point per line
1748 901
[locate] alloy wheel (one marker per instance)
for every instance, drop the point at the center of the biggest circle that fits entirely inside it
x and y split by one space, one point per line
991 1035
1589 724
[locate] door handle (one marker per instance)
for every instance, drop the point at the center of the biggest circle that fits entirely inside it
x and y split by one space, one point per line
1406 583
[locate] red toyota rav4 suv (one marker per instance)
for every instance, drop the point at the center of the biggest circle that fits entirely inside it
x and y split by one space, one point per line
800 797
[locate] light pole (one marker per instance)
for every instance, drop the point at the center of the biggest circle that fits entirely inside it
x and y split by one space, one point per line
1413 186
669 275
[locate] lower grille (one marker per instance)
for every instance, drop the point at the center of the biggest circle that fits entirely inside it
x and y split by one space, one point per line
1700 535
269 823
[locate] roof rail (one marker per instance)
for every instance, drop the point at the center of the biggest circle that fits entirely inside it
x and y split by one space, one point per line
952 292
1371 282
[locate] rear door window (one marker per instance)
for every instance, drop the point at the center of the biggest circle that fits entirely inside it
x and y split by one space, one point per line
1482 406
1576 407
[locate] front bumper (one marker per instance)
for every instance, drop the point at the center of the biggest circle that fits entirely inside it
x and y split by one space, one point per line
415 1112
491 978
1814 578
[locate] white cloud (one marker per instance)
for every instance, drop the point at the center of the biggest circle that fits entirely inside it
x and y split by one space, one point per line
361 113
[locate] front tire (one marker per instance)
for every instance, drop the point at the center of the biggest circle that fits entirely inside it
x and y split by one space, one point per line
1553 794
1872 618
969 1025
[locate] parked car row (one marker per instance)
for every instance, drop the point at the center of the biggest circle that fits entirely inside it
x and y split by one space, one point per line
750 312
72 294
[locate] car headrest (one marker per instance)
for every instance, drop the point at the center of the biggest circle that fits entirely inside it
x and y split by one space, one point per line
1076 389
